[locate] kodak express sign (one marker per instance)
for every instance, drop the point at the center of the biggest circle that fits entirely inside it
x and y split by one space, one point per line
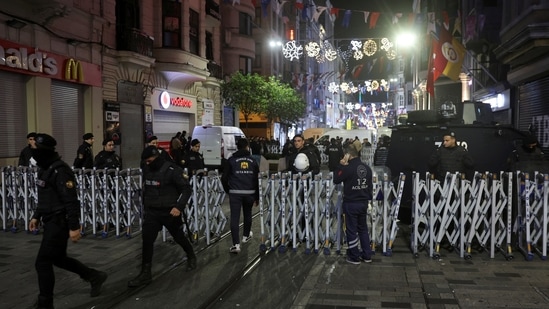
33 61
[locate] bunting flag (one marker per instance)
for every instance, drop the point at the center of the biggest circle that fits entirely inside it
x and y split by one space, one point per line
319 10
447 55
346 19
366 14
264 5
373 19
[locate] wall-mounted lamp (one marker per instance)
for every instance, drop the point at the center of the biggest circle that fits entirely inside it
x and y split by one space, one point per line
15 23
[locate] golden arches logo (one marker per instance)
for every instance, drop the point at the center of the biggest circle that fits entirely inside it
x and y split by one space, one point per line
73 70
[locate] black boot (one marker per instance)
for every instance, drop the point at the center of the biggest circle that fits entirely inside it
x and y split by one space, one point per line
44 303
191 263
96 280
144 278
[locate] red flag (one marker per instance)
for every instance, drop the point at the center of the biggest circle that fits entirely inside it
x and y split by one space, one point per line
447 57
373 19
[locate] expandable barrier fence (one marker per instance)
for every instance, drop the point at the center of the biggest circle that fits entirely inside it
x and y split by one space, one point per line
305 210
490 212
111 204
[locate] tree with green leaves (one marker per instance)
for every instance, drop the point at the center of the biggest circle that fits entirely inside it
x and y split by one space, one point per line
245 92
253 94
283 103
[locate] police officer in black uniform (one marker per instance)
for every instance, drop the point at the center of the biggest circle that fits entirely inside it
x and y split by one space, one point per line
193 160
84 154
357 192
26 154
335 153
239 179
108 158
165 192
59 210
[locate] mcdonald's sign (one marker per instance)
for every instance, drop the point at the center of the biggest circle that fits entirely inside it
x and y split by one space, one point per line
74 71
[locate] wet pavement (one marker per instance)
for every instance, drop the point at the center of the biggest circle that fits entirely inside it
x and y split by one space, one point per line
275 280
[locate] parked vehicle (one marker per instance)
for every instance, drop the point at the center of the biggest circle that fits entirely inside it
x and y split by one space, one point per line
217 143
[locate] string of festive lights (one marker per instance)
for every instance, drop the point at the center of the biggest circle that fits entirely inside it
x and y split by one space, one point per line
324 51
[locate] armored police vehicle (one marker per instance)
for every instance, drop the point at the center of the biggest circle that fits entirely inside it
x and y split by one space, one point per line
489 144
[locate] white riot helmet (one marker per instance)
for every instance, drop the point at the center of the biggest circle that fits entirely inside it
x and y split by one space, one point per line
301 162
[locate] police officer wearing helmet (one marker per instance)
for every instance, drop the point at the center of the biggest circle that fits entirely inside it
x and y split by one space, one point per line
165 192
84 154
59 210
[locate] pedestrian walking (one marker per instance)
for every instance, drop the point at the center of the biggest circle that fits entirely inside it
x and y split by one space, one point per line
59 211
84 154
356 177
240 181
165 193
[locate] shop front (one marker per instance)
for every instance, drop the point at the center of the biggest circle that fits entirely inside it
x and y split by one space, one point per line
44 92
172 112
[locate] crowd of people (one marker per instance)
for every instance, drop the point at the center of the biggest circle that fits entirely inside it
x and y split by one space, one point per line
166 191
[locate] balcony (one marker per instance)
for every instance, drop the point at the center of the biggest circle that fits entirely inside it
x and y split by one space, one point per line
215 70
131 39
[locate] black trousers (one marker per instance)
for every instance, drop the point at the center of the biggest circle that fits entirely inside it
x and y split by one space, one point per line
53 251
153 222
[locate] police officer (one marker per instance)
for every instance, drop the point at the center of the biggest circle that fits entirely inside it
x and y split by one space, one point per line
193 160
357 192
84 154
26 154
59 210
108 158
310 151
239 179
335 153
165 192
450 157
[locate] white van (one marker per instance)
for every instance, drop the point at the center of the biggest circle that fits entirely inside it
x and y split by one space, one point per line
217 142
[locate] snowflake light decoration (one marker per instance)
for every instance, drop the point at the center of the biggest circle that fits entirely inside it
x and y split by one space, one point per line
383 83
386 45
358 55
391 54
329 52
292 51
344 87
356 45
312 49
375 85
333 87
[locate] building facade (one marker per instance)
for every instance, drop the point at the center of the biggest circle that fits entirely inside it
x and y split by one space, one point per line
124 69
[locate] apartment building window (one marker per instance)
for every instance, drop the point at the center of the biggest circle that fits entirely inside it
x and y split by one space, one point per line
245 65
245 24
171 23
194 46
258 51
258 15
209 46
